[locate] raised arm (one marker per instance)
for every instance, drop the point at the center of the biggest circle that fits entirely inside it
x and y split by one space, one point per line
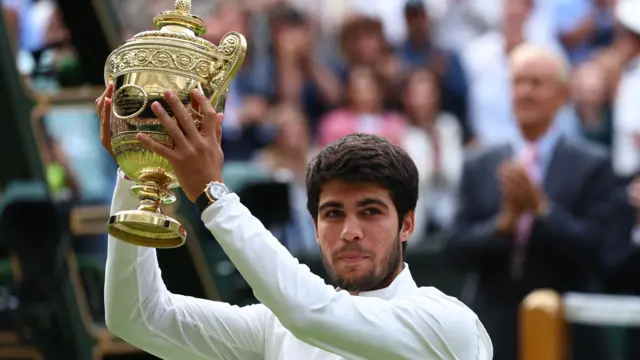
141 310
426 324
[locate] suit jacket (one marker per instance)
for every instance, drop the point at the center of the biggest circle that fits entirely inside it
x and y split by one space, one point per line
562 252
621 257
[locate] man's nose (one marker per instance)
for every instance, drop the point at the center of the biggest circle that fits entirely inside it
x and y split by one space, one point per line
352 230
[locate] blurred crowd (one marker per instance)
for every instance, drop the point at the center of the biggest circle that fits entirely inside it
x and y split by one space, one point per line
474 91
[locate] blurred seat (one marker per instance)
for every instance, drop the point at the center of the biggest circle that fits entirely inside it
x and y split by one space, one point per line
20 353
53 313
30 233
237 175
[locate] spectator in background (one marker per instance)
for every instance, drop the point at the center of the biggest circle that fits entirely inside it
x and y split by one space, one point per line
593 102
457 22
531 213
435 143
286 160
61 181
263 79
611 62
362 42
420 49
300 76
626 124
584 26
486 62
246 105
364 112
33 18
11 17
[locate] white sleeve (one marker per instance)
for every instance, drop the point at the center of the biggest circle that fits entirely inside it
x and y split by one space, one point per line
353 327
141 310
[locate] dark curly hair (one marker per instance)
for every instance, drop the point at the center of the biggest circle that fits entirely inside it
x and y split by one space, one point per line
365 158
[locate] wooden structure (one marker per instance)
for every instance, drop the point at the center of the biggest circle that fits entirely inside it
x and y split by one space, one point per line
543 329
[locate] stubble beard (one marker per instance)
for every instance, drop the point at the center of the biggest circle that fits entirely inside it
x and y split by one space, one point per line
380 277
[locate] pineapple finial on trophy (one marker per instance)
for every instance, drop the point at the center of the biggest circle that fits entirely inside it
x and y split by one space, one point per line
183 6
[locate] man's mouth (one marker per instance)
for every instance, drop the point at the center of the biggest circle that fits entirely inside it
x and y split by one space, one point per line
352 257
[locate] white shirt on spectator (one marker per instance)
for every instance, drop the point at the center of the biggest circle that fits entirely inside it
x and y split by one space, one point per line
626 122
300 316
458 22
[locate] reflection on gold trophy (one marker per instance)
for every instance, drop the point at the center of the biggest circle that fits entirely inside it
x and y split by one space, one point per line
172 57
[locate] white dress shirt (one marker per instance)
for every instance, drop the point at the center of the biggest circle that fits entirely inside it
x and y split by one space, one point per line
300 318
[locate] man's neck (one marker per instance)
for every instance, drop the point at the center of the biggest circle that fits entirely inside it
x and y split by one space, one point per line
384 284
425 118
419 41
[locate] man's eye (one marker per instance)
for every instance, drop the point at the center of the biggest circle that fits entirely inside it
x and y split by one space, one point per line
371 211
332 213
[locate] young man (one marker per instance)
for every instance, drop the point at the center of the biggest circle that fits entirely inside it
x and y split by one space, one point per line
362 194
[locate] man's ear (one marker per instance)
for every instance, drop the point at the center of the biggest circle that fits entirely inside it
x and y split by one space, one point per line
315 226
408 226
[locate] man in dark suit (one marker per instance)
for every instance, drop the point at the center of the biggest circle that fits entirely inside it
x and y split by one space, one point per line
531 212
622 255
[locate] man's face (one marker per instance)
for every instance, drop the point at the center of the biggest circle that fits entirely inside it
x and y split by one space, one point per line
357 230
538 91
516 12
417 21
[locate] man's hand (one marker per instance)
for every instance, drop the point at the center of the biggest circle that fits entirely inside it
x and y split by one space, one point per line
507 217
511 207
103 105
254 110
196 157
518 186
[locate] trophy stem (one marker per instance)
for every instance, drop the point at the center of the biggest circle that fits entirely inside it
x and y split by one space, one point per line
150 205
147 226
152 194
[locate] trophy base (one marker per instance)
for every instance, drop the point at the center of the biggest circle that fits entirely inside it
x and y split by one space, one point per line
147 228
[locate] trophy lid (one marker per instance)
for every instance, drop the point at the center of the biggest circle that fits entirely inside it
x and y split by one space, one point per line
180 20
176 49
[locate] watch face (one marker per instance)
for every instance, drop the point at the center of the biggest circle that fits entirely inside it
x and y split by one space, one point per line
217 191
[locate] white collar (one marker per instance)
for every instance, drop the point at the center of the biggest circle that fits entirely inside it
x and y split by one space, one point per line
402 283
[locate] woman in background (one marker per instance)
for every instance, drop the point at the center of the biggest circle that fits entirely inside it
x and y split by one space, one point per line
435 143
593 102
364 113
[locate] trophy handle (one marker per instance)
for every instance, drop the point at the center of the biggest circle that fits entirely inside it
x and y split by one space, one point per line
230 55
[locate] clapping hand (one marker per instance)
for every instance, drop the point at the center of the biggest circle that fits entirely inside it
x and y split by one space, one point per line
519 187
196 156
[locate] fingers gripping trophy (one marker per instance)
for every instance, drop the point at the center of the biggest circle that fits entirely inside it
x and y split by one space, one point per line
172 57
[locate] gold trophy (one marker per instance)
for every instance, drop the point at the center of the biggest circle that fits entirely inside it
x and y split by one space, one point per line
171 57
